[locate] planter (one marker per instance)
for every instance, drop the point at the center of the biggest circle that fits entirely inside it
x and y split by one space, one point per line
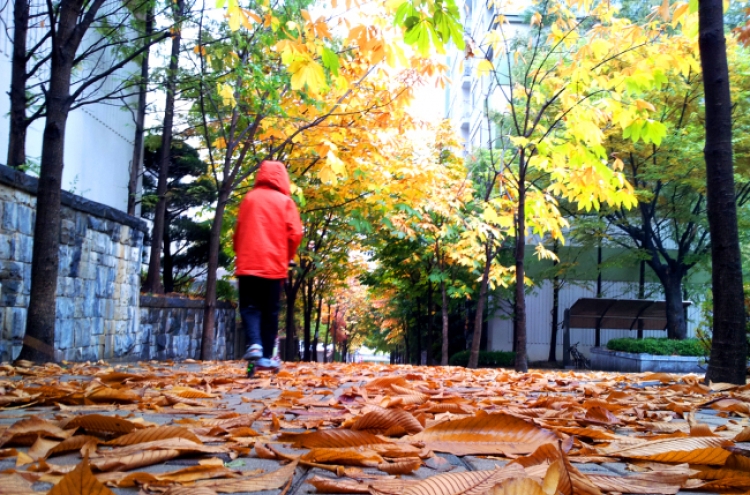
606 360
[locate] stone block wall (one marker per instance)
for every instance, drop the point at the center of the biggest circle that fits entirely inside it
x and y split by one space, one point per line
171 328
99 273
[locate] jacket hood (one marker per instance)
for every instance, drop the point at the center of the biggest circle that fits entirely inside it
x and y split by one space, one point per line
273 176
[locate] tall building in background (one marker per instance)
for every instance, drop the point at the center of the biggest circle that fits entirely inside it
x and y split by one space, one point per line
467 97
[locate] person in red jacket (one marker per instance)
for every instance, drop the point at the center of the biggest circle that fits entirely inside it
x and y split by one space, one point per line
266 238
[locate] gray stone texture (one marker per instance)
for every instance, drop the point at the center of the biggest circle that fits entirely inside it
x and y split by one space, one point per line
99 314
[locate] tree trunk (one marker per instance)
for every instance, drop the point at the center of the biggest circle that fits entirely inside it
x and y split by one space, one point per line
168 268
444 311
641 293
317 326
333 343
153 283
18 79
520 310
676 323
140 116
420 346
552 357
429 338
209 309
291 331
476 340
39 341
328 337
729 347
308 299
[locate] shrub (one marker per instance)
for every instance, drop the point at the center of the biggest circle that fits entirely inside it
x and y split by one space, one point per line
487 359
659 347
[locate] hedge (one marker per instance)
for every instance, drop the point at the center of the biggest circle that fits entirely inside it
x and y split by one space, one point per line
659 347
487 359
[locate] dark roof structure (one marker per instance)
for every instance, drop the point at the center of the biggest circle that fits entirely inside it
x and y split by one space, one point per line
620 314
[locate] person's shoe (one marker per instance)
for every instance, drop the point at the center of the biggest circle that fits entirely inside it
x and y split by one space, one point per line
265 364
254 352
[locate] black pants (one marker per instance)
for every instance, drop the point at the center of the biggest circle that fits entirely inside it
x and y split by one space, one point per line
259 309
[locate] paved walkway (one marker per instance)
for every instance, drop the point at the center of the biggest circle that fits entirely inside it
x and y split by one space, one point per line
238 394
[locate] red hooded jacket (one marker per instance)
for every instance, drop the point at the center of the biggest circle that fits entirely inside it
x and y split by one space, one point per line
268 229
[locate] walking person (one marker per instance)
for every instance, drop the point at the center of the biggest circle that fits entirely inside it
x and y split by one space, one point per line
266 237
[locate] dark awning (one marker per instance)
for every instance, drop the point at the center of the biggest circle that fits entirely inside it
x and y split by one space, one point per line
620 314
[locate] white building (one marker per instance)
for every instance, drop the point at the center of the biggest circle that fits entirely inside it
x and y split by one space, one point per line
99 137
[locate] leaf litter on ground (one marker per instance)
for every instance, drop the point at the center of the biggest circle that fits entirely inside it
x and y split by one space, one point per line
375 429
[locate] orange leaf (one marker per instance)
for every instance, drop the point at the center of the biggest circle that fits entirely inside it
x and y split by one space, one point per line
402 466
331 438
270 481
26 431
80 481
380 419
693 450
489 434
102 424
71 444
345 456
152 434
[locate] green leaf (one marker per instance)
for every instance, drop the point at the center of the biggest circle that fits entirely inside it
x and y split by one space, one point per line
331 60
220 4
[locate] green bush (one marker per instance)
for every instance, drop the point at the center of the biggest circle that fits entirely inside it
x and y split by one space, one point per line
487 359
659 347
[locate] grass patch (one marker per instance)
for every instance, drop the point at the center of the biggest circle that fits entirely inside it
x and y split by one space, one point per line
659 347
487 359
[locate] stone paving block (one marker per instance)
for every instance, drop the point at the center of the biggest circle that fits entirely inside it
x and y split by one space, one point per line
482 463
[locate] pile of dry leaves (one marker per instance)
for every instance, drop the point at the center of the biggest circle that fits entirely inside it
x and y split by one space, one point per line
369 427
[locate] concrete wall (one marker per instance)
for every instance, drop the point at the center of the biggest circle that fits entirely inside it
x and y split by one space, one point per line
99 312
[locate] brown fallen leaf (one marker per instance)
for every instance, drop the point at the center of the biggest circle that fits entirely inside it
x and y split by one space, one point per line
466 482
133 461
331 438
693 450
489 434
26 431
72 444
185 490
15 484
152 434
401 466
80 481
174 443
270 481
349 456
112 395
99 423
379 419
519 486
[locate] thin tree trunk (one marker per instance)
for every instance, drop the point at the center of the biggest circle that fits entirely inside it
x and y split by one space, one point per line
430 312
291 330
420 344
328 336
729 346
308 299
317 326
641 293
477 338
598 329
552 357
676 323
520 309
140 116
407 349
39 340
335 325
444 311
208 335
153 278
168 268
18 80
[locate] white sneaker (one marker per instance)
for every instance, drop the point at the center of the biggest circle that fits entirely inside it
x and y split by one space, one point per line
253 352
268 364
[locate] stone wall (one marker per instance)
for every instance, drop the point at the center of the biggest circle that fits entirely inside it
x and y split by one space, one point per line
99 277
171 329
98 300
